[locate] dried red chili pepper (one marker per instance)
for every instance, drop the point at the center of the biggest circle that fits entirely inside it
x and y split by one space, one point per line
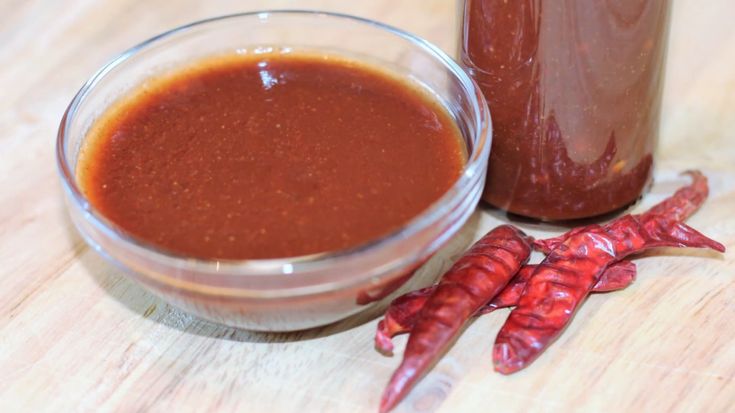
549 244
565 277
400 316
478 276
685 201
616 277
678 207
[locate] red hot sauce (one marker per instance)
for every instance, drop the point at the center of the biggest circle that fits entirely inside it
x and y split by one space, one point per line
269 156
574 87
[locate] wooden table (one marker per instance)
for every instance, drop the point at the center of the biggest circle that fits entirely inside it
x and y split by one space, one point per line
75 335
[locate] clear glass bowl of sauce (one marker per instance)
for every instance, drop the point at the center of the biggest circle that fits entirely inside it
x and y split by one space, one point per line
262 291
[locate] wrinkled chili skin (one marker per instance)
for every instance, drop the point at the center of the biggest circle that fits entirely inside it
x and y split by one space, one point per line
616 277
566 276
478 276
400 317
680 206
401 314
686 201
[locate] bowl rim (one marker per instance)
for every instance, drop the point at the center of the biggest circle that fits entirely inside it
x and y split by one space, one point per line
306 263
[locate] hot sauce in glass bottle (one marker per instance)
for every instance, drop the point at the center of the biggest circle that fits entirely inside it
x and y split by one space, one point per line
574 88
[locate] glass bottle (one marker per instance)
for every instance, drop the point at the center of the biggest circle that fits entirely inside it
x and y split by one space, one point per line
574 87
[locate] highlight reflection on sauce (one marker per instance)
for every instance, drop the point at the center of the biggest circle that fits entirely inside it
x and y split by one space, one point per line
574 87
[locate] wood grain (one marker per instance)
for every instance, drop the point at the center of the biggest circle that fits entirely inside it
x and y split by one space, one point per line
77 336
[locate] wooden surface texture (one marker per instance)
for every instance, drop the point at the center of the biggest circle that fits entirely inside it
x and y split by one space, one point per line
76 335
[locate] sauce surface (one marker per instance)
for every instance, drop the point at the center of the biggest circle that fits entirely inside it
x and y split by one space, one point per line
269 156
574 88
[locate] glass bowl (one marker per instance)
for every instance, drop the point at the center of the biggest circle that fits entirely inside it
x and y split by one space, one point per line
301 292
